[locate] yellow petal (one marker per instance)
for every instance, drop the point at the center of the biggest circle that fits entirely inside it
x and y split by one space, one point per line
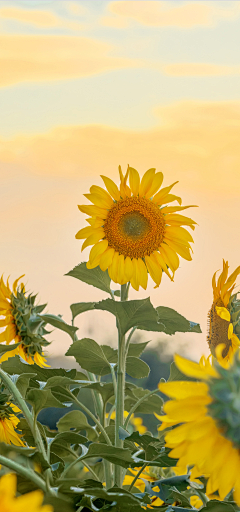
169 198
97 250
169 256
94 189
93 211
162 193
178 220
106 258
113 269
179 233
134 181
5 289
156 184
128 268
142 273
99 200
180 249
230 331
85 232
135 277
94 238
16 282
224 313
146 182
154 269
183 389
162 263
121 274
111 188
192 369
172 209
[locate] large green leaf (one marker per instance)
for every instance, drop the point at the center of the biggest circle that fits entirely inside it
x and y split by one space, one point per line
42 399
70 438
90 356
136 349
151 404
81 307
130 313
96 277
174 322
217 506
105 389
14 366
23 382
78 421
120 456
58 322
137 368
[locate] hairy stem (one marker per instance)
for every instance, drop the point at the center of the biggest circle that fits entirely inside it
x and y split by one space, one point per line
137 476
85 409
25 472
136 405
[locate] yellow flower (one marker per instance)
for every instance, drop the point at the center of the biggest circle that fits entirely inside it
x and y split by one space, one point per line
133 232
20 322
31 501
8 425
223 316
148 475
206 418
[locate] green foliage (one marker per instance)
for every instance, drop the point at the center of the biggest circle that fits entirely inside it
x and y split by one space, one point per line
95 277
58 322
132 313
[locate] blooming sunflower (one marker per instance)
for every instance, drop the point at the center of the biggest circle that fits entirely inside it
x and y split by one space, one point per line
30 501
23 325
224 316
133 232
206 420
9 422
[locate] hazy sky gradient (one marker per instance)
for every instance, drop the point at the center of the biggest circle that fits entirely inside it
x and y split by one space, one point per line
86 86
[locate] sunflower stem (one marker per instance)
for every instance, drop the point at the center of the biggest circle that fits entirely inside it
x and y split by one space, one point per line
25 472
135 406
118 476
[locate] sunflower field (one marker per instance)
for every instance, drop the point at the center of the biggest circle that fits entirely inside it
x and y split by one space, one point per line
104 459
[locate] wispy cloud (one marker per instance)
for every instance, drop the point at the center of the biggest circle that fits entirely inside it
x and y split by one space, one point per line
48 57
167 14
199 69
198 140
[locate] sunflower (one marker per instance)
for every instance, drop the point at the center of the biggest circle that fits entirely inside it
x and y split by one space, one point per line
206 420
29 501
224 316
9 422
23 325
133 232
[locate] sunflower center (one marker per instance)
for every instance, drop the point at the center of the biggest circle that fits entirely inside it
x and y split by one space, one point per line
134 227
218 329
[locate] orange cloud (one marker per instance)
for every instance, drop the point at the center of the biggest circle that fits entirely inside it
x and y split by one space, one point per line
36 58
199 69
198 141
164 13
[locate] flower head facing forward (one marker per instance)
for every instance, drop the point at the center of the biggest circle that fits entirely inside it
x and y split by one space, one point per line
206 420
224 316
31 501
23 325
133 232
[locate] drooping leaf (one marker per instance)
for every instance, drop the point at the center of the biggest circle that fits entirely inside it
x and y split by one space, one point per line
70 438
22 382
136 349
76 420
96 277
14 366
174 322
42 399
130 313
120 456
137 368
90 356
8 348
81 307
105 389
58 322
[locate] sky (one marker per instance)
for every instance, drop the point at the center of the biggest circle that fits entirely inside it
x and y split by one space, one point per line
86 86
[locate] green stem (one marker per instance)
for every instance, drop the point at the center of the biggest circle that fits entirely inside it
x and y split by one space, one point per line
129 339
26 412
202 496
135 406
85 409
137 475
120 388
26 473
110 414
114 380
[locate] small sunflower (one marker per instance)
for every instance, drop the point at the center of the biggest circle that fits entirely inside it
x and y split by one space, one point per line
206 420
9 422
224 316
23 325
31 501
133 232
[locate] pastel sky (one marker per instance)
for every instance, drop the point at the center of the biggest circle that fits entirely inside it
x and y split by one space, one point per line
88 85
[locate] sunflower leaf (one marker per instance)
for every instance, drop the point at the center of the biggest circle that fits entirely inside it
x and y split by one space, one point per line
78 421
8 348
90 356
81 307
58 322
132 313
42 399
137 368
95 277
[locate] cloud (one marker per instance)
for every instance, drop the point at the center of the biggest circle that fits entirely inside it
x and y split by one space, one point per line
168 14
199 69
198 141
40 19
34 58
74 8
